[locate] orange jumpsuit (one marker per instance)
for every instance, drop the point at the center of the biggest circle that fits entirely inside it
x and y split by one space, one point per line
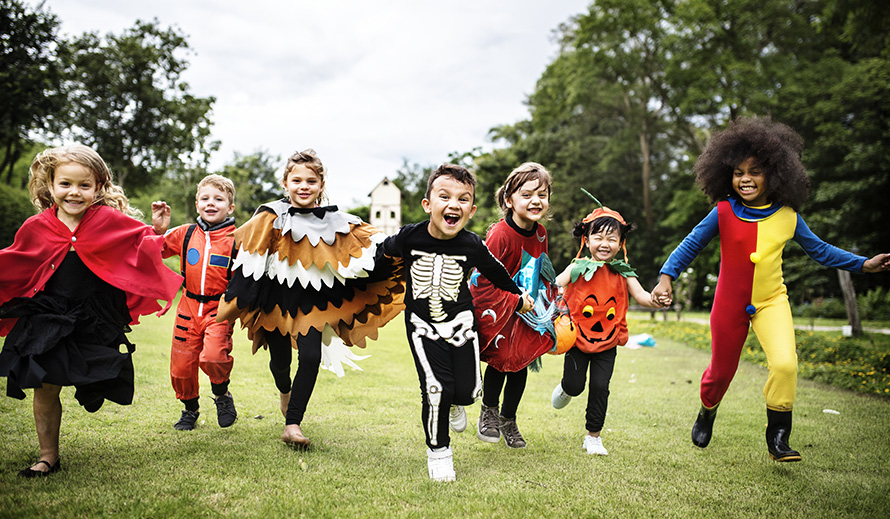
198 340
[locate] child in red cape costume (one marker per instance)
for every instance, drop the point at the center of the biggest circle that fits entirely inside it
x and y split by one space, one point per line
103 240
74 279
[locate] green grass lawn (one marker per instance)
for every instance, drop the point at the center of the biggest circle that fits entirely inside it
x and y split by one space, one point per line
368 454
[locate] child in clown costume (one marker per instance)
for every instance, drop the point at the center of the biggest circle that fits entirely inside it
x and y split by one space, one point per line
508 341
596 292
753 170
303 274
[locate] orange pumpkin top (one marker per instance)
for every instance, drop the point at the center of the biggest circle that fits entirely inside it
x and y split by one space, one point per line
598 303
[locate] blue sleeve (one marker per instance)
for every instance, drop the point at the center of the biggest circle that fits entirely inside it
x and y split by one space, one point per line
826 254
691 245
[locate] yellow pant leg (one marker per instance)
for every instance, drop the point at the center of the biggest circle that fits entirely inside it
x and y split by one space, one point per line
774 328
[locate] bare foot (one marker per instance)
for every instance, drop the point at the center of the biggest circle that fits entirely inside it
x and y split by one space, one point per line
293 435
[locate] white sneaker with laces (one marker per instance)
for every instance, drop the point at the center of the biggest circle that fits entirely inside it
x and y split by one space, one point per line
457 418
440 464
559 398
594 445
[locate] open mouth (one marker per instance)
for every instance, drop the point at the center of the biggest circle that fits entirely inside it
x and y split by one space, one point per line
452 219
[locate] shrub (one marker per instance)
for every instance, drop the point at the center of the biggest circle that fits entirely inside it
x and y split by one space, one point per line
15 208
874 305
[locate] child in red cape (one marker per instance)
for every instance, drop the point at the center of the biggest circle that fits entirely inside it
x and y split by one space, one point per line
77 275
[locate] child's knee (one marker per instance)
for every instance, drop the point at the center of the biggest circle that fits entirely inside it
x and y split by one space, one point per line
573 387
785 369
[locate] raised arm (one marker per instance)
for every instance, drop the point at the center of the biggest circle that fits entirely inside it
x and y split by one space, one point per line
160 217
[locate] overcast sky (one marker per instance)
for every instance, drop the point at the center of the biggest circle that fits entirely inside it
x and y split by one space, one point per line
367 84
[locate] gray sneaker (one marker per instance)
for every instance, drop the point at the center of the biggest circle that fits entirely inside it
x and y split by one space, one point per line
187 420
511 434
489 421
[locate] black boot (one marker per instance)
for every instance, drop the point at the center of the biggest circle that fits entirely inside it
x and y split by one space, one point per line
704 424
778 431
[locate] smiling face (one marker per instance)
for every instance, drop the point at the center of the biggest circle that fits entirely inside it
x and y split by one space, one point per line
529 203
74 190
450 206
303 186
749 182
604 244
213 204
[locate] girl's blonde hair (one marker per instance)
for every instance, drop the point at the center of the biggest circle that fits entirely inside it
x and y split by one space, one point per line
519 176
309 159
43 169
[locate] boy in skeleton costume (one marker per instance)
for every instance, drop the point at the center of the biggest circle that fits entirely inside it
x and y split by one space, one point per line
439 255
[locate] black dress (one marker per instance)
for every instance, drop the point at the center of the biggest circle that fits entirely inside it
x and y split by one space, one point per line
70 334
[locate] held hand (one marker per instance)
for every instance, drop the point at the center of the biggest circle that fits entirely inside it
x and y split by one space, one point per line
160 217
662 301
879 263
527 303
663 292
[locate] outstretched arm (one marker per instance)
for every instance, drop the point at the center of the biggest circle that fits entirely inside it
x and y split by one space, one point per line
636 291
663 293
879 263
160 217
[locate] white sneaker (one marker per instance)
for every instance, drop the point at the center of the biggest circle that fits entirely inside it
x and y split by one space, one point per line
457 418
594 445
559 398
440 464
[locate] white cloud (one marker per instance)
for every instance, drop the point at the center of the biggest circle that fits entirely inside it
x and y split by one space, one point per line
364 83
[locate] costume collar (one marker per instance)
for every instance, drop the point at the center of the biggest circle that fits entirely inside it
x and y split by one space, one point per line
206 227
317 211
749 213
527 233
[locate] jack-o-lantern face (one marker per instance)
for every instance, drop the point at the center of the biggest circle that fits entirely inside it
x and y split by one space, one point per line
597 322
598 307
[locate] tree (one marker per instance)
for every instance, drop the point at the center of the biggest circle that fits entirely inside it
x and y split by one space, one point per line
128 101
30 79
256 181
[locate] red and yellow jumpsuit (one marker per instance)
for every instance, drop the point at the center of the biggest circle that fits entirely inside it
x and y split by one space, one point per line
198 340
751 289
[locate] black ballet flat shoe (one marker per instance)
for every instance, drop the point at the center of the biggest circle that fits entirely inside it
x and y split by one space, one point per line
31 473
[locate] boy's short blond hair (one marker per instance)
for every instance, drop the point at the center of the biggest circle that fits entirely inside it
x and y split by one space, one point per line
219 182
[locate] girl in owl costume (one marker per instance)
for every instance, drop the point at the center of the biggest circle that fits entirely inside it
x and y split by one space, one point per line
305 275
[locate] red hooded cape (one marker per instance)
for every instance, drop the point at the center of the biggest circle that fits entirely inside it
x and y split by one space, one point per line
120 250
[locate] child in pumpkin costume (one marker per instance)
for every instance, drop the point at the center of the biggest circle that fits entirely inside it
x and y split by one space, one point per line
596 292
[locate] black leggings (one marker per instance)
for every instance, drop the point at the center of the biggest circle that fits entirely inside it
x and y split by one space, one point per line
494 381
308 359
573 374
